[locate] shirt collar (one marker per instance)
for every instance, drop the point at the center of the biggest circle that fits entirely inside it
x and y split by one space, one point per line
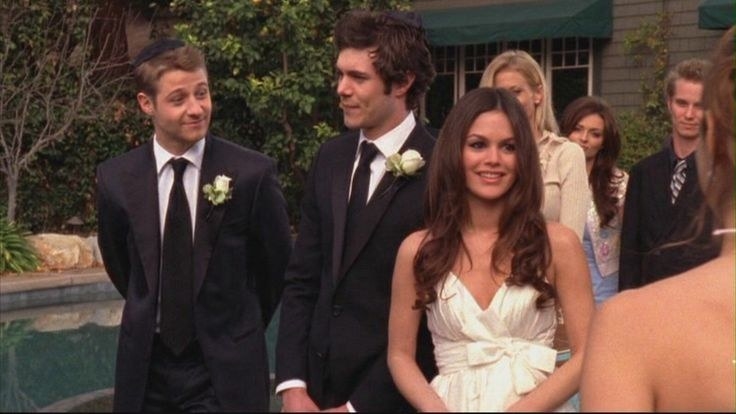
194 155
391 142
673 157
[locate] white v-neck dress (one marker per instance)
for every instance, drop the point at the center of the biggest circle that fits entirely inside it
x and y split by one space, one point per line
489 358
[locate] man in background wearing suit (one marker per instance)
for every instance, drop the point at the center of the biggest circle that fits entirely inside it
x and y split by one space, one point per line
194 234
663 195
331 349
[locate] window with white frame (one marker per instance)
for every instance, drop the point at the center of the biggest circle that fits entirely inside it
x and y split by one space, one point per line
567 63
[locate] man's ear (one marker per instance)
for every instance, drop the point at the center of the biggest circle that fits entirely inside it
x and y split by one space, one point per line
401 89
146 103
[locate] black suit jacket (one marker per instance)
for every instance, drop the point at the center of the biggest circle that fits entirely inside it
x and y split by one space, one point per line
333 331
240 251
652 225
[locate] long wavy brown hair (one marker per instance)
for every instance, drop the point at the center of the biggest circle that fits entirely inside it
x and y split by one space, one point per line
604 178
716 169
522 236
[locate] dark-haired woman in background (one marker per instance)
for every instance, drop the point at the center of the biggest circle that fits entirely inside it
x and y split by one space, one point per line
489 272
589 121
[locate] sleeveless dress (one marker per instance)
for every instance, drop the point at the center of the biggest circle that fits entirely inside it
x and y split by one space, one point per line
489 358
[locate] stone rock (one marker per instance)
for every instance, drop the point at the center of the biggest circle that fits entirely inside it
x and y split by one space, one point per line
62 251
92 242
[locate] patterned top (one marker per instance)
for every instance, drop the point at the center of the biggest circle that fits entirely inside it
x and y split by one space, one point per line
607 240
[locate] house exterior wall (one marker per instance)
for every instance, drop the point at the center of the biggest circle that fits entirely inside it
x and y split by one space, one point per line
615 76
619 77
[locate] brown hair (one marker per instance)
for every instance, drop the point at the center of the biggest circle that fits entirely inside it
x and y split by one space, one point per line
692 70
522 232
523 63
716 163
398 46
604 179
148 73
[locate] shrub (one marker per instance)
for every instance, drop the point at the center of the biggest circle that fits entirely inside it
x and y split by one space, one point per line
641 137
16 254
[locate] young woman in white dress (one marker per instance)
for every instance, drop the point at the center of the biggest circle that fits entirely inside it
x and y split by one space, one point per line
488 272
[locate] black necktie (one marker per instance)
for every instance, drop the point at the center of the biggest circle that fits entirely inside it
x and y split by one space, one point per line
176 266
359 189
362 178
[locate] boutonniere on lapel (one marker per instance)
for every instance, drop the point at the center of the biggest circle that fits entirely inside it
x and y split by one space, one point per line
219 191
407 164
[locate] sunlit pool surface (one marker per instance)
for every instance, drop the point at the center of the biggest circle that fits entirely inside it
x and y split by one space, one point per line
51 354
54 354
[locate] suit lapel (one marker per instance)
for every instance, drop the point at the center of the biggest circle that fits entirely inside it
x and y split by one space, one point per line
661 193
209 217
142 193
378 203
341 171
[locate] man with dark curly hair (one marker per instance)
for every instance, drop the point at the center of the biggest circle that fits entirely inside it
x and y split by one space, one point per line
357 208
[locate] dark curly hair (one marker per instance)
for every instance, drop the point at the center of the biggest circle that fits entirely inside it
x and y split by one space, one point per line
522 230
604 179
398 44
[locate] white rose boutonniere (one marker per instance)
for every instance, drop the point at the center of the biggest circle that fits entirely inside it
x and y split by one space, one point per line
219 191
405 165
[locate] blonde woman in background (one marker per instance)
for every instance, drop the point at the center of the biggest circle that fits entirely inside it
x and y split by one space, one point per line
566 194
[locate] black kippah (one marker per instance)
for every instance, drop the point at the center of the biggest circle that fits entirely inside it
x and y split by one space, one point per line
156 48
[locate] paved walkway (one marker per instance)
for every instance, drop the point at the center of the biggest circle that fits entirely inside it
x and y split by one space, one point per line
39 289
23 282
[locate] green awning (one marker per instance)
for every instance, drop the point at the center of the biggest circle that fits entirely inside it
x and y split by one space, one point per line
716 14
538 19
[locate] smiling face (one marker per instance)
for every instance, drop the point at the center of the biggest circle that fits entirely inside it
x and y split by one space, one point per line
489 157
588 133
528 95
363 98
180 110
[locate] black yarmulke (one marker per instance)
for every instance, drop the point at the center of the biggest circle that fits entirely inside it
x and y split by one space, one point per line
156 48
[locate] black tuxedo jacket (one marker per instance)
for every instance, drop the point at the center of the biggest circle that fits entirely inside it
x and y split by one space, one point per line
652 225
334 316
240 251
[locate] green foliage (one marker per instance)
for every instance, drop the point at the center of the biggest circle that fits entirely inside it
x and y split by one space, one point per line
643 130
271 70
61 183
16 254
641 137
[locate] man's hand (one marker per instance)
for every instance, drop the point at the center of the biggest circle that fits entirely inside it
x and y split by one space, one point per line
339 409
296 400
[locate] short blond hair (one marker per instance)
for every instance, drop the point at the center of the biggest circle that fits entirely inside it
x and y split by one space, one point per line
522 62
692 70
